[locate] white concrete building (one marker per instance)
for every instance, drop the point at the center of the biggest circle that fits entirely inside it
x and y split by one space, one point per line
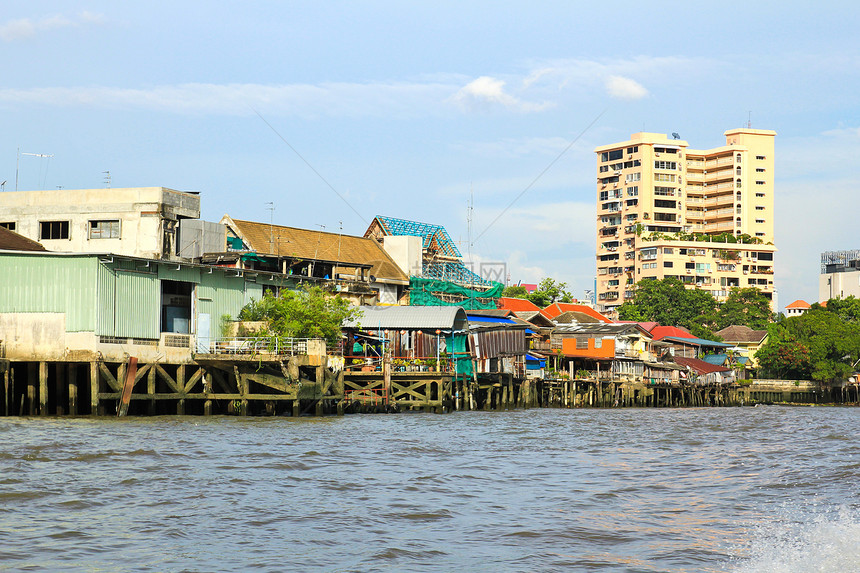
138 222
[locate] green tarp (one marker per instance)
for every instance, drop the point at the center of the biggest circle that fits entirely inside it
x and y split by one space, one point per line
423 293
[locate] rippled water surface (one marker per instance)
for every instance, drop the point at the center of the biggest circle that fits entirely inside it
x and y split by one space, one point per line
741 489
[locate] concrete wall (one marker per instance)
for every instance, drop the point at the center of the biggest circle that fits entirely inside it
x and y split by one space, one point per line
147 218
406 252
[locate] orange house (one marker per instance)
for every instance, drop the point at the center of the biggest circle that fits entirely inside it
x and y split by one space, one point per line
593 348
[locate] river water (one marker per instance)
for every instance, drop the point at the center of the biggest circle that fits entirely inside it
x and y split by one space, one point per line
766 489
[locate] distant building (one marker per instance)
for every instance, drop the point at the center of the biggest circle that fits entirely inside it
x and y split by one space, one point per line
797 308
664 210
840 275
138 222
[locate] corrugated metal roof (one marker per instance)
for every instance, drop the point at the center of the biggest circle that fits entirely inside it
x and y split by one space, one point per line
411 318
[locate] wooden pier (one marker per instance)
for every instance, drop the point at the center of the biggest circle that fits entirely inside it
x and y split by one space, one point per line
260 385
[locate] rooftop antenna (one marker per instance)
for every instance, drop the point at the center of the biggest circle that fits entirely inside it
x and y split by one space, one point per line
339 234
271 208
749 120
107 178
18 161
3 186
469 219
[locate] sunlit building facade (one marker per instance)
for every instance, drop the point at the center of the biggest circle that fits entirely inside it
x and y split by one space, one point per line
702 216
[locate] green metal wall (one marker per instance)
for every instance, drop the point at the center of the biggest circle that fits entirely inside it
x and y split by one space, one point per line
138 305
119 297
64 284
218 295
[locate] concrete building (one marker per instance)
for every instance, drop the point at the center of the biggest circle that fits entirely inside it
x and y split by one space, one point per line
840 275
705 217
137 222
797 308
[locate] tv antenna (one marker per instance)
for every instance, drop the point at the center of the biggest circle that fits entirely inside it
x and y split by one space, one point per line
107 178
271 208
18 161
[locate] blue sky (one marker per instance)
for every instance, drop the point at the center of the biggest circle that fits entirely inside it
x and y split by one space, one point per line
405 109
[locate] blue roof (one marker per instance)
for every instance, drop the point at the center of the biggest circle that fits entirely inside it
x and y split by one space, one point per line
720 359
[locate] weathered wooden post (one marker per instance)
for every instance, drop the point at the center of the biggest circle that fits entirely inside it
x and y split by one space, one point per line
73 389
43 388
150 389
180 382
59 383
94 388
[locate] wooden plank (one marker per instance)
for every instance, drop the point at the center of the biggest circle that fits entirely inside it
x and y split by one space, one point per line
108 377
131 372
194 379
141 372
202 396
168 379
43 388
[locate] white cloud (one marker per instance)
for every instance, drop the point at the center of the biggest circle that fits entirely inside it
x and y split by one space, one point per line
625 88
486 92
307 100
27 27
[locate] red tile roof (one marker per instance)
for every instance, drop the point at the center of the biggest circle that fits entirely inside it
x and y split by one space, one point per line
557 308
799 304
518 304
700 366
661 332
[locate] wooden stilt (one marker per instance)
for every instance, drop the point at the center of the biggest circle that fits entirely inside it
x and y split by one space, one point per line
73 389
150 389
43 388
32 375
60 387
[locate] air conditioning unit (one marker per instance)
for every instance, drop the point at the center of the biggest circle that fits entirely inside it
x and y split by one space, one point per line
618 172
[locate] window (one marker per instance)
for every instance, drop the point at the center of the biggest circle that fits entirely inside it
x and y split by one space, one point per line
759 182
631 177
759 234
667 250
664 191
612 155
633 191
666 165
604 195
632 202
689 265
633 149
760 157
663 204
664 216
668 264
739 171
759 220
53 230
759 169
759 194
604 168
664 177
759 208
8 225
104 229
739 157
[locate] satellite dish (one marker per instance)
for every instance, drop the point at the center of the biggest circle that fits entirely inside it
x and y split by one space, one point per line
675 135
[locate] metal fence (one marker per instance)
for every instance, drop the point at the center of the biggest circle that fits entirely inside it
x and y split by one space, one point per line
259 345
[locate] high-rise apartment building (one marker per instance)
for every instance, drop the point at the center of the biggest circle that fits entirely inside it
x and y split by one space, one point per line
702 216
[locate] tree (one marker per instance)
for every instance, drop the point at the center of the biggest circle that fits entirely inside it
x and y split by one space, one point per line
670 303
515 291
550 291
744 306
306 313
822 344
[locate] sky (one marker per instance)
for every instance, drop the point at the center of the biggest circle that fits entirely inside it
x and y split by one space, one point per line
322 115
